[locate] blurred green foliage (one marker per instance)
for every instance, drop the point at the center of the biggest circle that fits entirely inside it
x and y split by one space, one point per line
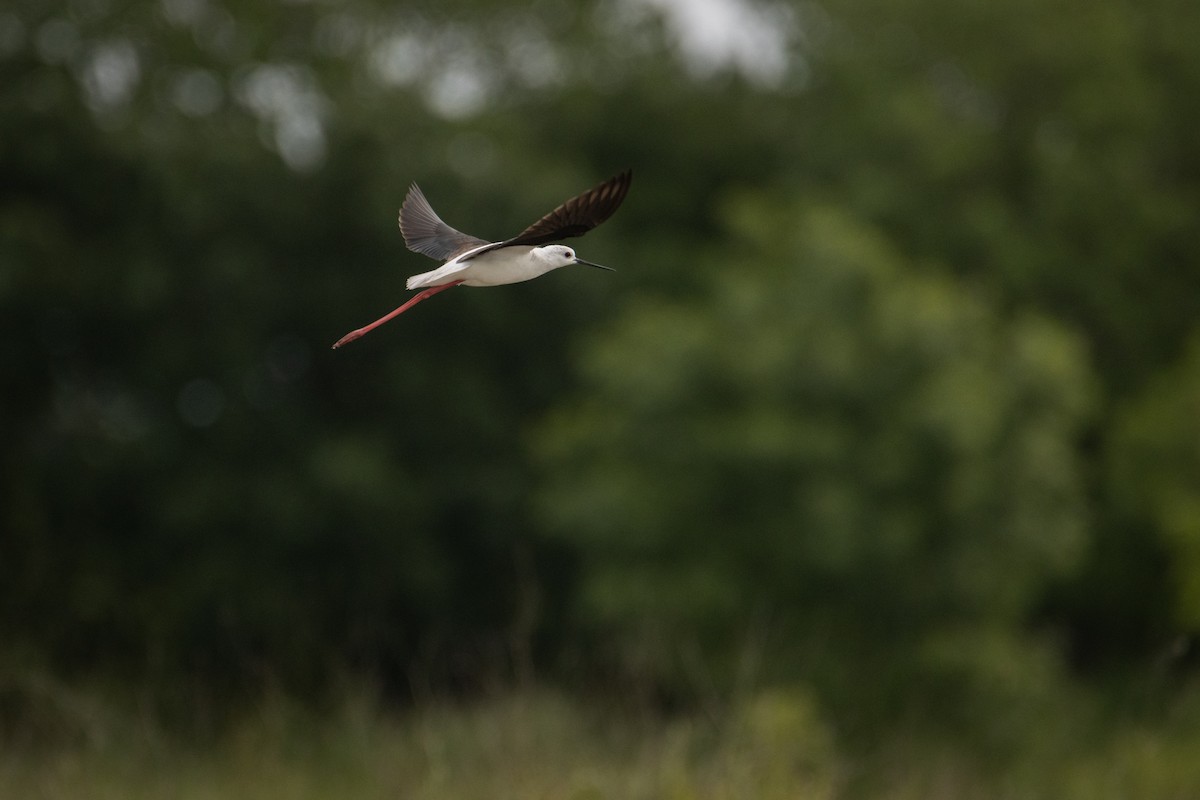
895 393
869 456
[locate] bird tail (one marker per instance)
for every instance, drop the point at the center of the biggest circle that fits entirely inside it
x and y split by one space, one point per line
437 277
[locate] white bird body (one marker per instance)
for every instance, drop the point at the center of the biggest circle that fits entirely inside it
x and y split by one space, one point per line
471 261
497 267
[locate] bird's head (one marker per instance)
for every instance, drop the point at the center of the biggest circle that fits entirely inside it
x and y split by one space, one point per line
558 255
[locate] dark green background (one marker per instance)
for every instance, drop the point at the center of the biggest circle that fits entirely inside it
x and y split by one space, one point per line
895 393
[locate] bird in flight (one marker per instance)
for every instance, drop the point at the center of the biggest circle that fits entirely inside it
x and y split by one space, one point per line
474 262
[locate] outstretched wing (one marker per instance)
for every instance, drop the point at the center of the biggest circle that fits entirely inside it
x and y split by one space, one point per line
425 233
578 215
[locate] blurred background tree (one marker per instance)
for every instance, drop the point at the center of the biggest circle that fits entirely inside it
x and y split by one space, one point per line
891 395
861 464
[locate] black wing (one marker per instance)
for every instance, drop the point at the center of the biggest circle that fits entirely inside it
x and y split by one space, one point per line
578 215
575 217
425 233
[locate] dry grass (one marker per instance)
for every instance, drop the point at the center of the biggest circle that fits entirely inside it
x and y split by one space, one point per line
538 744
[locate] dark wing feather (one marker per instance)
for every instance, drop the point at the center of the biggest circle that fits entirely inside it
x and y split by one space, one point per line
578 215
425 233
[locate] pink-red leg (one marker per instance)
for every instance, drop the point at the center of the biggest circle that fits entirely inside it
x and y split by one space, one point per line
352 335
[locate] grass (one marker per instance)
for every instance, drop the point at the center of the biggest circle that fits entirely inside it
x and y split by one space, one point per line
541 744
518 745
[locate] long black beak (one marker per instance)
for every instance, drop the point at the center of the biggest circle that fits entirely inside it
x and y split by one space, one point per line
590 264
